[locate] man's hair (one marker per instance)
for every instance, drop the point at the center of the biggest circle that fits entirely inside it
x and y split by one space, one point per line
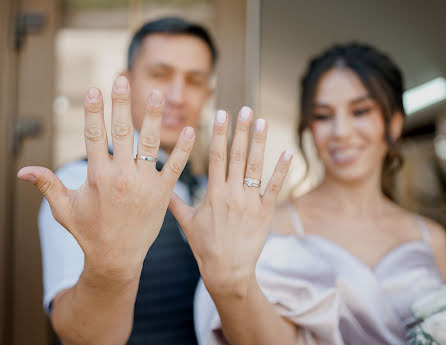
169 26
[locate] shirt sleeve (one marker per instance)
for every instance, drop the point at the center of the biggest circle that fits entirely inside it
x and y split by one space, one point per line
62 257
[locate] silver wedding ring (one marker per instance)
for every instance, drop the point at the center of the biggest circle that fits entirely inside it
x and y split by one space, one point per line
145 158
250 182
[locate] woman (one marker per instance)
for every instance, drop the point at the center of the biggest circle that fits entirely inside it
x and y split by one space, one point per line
343 263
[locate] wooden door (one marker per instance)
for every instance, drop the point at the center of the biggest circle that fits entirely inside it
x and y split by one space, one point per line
26 92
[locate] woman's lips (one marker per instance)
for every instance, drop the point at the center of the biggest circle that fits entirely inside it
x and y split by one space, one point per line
344 156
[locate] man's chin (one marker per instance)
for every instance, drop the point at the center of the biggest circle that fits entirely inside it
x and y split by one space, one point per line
168 144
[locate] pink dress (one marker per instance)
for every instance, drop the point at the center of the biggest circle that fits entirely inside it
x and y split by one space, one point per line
332 296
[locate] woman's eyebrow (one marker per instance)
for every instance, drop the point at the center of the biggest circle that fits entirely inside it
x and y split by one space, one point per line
360 99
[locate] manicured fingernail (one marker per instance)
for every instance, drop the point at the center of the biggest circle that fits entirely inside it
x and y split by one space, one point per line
156 98
93 95
287 155
121 84
189 132
221 117
244 113
260 125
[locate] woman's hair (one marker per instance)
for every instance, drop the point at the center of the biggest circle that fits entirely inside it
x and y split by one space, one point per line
379 75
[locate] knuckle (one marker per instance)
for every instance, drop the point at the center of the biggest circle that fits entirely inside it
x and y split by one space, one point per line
258 139
175 167
220 130
254 166
120 98
43 186
121 130
149 142
93 133
122 183
216 156
237 155
243 127
97 178
94 108
275 187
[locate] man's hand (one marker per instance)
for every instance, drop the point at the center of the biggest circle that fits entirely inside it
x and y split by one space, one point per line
117 213
228 230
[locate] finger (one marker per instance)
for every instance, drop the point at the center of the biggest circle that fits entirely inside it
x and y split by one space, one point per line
121 127
178 159
239 149
149 138
94 130
254 167
181 211
218 150
51 188
275 183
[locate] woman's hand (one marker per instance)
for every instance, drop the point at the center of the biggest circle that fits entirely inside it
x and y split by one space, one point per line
117 213
228 230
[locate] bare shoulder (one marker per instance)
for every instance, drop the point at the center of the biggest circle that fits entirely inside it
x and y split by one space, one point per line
437 236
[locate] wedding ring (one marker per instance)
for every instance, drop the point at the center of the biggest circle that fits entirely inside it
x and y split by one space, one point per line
250 182
145 158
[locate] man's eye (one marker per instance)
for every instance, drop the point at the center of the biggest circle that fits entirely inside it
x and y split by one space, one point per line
158 74
361 111
196 81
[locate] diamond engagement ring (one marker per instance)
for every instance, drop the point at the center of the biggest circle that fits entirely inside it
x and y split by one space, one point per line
250 182
145 158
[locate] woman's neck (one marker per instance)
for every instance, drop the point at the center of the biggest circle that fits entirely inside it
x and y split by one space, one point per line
353 198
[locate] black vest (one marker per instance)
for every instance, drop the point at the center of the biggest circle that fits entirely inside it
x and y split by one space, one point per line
164 303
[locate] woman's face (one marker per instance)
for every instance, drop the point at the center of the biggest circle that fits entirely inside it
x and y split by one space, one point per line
347 127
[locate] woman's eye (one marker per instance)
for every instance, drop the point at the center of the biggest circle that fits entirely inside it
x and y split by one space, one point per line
321 117
361 111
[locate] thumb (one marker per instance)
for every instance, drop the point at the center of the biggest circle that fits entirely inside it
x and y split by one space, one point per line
49 185
181 211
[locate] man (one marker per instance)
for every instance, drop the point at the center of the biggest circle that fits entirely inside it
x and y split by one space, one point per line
177 58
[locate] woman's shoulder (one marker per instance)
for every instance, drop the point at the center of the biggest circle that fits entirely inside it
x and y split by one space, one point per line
282 222
287 216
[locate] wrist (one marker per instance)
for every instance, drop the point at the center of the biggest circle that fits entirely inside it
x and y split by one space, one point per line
235 288
108 277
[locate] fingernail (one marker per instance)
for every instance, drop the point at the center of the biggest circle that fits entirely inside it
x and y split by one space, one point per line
93 95
244 113
287 155
260 125
189 132
156 98
26 176
121 84
221 117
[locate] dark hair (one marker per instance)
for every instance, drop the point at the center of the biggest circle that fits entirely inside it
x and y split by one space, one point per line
382 79
169 26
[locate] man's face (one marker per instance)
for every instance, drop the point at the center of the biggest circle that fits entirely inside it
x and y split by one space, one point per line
180 67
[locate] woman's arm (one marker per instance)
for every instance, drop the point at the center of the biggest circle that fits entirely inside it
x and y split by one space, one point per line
252 319
227 232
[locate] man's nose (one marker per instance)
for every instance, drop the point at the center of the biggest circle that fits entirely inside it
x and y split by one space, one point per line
176 91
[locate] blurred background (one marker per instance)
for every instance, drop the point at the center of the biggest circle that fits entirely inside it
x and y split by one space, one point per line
51 51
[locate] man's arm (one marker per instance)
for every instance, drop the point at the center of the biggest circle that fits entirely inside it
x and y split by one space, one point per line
115 216
95 311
